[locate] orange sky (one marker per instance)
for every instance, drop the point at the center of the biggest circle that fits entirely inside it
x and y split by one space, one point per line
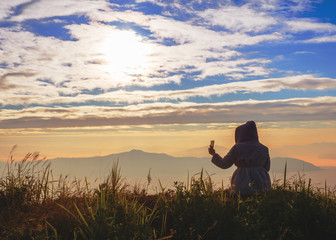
310 138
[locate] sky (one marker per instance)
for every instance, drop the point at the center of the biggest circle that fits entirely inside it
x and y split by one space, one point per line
94 77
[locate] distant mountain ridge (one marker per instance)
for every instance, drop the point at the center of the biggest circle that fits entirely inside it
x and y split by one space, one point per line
137 163
293 165
322 150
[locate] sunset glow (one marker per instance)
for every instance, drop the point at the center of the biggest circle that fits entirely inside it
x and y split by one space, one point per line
94 77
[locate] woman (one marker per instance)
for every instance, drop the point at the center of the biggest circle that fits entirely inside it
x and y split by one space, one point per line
252 159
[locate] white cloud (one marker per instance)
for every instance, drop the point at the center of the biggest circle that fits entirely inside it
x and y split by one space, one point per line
304 52
197 44
295 109
301 25
268 5
183 32
110 15
6 7
298 5
49 94
90 61
303 82
46 8
163 64
48 70
238 19
322 39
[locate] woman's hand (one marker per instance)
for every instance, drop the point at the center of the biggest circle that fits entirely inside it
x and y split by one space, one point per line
211 151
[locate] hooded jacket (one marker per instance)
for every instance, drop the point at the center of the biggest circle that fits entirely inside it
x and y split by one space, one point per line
251 158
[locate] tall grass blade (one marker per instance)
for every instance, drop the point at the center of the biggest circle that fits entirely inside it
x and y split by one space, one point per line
285 173
82 217
54 230
309 186
68 211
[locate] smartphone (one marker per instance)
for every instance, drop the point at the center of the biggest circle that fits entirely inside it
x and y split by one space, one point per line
212 143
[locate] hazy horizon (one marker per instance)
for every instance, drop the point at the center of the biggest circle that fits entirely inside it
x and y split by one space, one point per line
190 141
137 165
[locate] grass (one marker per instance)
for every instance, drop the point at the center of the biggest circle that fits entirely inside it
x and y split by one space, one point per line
35 205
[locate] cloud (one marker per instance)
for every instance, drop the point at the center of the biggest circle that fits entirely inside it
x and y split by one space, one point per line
23 51
198 50
5 79
6 7
114 50
194 45
322 39
73 66
296 109
297 5
301 25
303 82
304 52
49 94
45 8
239 19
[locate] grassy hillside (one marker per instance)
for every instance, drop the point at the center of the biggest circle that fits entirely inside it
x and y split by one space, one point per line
36 205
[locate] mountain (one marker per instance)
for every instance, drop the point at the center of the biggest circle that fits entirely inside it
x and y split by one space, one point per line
202 151
293 165
321 150
136 164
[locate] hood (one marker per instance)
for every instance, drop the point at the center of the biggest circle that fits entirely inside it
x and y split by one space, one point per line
247 133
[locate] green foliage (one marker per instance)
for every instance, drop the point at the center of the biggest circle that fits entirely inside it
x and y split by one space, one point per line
33 205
